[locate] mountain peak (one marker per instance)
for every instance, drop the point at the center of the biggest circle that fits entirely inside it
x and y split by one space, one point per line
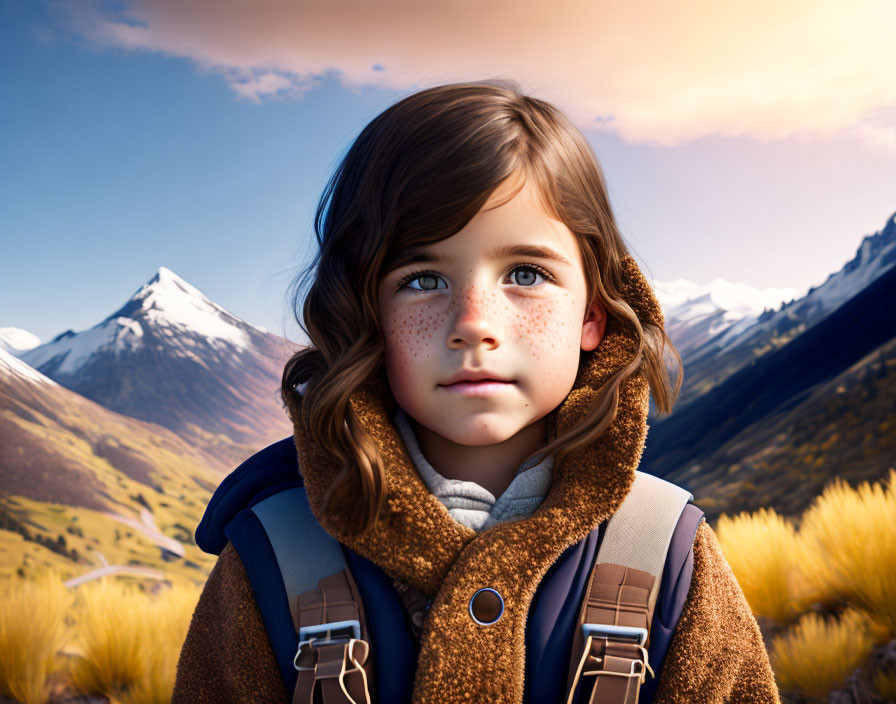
167 293
164 274
16 340
166 280
167 308
169 301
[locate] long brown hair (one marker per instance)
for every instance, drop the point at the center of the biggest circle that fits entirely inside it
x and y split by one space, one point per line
417 174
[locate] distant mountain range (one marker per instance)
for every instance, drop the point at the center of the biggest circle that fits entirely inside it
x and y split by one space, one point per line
731 347
773 411
172 357
697 314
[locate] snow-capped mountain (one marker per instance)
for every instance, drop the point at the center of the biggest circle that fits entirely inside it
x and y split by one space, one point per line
171 356
732 347
11 366
695 313
167 305
16 341
775 431
875 255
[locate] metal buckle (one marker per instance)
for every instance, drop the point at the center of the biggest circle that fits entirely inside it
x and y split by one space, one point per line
627 634
640 674
624 634
348 657
306 632
308 636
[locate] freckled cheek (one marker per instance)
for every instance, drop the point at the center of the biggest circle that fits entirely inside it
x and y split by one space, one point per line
548 329
410 344
551 344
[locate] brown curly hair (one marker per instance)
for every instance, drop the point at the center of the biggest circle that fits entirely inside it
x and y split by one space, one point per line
417 174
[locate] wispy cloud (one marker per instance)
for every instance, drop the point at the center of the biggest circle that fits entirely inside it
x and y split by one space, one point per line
648 70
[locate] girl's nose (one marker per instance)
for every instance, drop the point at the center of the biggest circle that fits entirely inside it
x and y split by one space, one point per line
476 320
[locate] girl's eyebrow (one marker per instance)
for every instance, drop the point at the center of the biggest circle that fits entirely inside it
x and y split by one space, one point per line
417 256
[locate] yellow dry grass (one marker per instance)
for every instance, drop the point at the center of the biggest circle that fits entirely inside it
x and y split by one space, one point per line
815 656
850 545
129 642
32 631
841 555
122 643
110 631
884 681
760 548
843 551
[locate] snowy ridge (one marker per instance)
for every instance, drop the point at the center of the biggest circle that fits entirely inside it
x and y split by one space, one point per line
695 313
16 341
688 302
13 366
76 348
166 305
875 255
168 299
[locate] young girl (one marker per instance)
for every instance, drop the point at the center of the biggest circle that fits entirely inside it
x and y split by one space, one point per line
473 406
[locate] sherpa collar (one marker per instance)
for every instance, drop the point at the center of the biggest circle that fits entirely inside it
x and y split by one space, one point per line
418 542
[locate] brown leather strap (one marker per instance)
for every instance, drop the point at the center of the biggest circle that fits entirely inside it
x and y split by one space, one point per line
336 657
616 596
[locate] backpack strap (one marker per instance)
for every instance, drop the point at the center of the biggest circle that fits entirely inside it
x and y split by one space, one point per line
613 631
324 602
303 563
331 650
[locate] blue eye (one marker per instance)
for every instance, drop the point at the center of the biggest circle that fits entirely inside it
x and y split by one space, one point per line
432 277
427 276
528 270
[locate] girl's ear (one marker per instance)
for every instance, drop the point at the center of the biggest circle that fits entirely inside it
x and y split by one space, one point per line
594 327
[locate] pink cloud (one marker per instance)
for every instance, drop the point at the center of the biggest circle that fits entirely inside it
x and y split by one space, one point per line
649 71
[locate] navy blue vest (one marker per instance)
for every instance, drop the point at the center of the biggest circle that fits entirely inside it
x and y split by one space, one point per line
549 625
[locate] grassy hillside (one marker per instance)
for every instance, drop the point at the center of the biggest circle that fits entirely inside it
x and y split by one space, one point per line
845 427
83 485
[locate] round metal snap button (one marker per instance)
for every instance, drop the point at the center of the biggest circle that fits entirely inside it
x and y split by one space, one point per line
486 606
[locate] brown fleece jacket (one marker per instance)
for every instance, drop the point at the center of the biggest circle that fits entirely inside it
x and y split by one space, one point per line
716 655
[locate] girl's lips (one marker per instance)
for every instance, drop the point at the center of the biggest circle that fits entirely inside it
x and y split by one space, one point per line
485 387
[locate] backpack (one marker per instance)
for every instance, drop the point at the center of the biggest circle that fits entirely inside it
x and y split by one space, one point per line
598 627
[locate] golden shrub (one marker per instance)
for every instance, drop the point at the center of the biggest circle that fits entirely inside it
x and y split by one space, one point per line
815 656
32 631
762 549
849 543
884 682
131 641
168 619
110 632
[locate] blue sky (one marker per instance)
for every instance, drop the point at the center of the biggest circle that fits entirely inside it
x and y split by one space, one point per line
121 153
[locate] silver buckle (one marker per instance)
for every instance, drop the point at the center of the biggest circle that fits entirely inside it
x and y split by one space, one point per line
308 635
626 634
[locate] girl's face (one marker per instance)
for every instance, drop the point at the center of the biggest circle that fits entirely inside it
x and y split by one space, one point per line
470 303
